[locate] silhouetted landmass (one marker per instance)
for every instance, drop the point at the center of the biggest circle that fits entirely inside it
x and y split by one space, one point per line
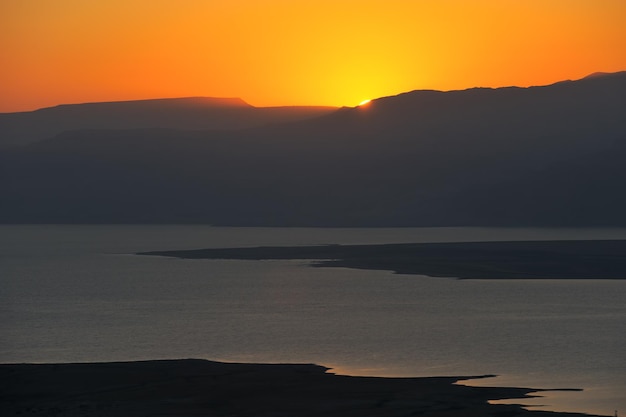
539 156
197 387
191 113
585 259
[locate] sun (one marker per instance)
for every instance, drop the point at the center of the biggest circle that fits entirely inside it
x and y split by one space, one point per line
364 102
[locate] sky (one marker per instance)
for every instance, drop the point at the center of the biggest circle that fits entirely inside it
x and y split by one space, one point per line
296 52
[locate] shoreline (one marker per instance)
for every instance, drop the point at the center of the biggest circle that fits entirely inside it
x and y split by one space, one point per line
565 259
190 387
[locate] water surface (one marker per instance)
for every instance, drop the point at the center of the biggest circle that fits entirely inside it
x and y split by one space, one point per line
77 293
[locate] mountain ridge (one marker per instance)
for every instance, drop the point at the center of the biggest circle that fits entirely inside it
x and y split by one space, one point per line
545 156
189 113
192 100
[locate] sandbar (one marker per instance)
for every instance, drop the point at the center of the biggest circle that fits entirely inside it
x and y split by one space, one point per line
568 259
193 387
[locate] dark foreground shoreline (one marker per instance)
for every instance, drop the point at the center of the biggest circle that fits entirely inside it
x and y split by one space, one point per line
204 388
576 259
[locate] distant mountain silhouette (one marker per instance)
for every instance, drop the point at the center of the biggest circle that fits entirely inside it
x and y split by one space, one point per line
598 74
191 113
540 156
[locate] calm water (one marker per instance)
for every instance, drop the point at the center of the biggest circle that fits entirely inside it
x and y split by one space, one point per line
77 293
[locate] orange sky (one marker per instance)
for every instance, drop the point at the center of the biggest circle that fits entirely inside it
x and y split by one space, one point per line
284 52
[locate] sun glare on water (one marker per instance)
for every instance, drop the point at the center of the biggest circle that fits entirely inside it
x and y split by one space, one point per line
364 102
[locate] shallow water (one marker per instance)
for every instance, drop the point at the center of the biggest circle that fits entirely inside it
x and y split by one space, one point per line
77 293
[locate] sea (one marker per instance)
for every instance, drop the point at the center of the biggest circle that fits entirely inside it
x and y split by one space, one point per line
79 293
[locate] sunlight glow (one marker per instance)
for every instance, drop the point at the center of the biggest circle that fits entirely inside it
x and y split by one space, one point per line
277 52
364 102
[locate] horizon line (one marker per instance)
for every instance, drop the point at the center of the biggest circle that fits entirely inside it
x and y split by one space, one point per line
245 103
